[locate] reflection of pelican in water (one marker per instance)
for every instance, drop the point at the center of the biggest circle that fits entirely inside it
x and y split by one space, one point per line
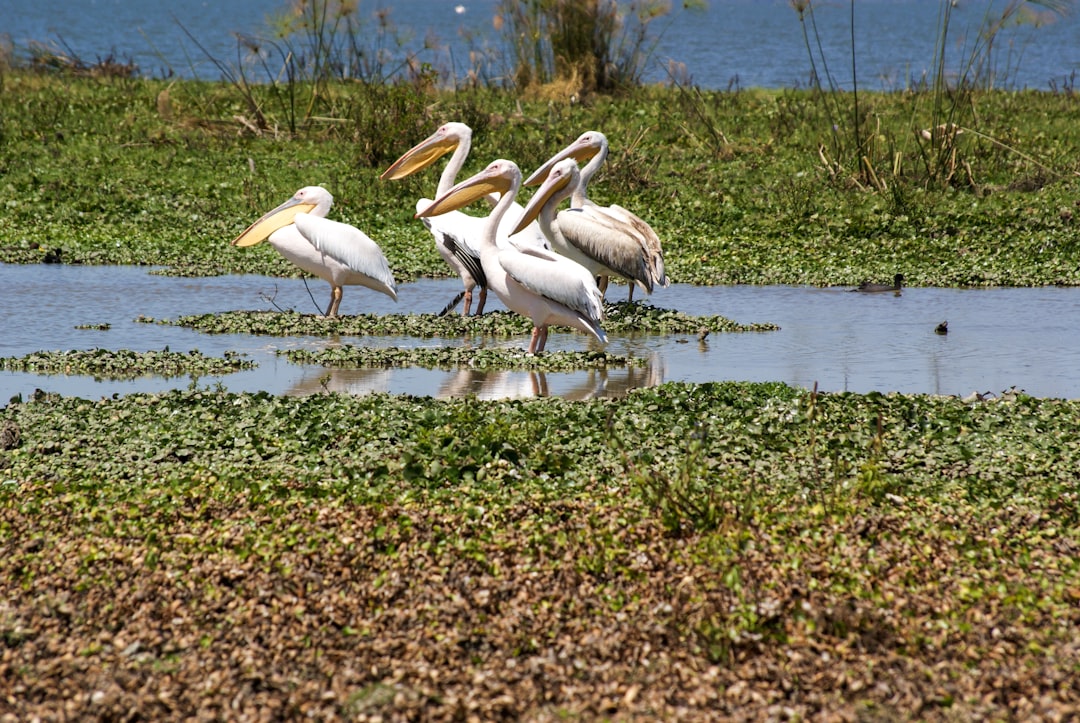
618 381
347 381
494 384
522 384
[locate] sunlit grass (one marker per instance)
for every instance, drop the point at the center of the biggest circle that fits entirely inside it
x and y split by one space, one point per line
750 204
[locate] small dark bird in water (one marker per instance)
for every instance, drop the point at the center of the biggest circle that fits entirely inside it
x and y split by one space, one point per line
870 288
942 328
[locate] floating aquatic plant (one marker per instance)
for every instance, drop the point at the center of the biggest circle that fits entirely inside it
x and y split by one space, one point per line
350 356
125 364
620 318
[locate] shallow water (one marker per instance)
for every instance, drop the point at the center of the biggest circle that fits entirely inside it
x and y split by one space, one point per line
998 338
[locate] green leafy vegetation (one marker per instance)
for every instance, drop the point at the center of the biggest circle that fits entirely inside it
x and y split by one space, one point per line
350 356
732 181
125 364
725 529
620 318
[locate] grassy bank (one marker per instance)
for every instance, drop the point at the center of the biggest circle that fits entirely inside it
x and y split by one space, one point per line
736 183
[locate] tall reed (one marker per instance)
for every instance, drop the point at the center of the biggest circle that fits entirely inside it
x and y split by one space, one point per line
599 45
859 148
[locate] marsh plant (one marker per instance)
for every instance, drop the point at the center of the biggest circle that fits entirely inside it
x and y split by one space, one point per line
290 78
593 45
859 148
308 47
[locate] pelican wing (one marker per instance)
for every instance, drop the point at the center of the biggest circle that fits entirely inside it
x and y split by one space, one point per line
616 245
554 277
460 226
648 235
452 231
347 245
459 247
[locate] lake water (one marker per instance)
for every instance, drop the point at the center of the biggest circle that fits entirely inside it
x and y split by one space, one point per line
731 43
998 338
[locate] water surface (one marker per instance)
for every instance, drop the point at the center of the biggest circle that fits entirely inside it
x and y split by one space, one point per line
998 338
731 43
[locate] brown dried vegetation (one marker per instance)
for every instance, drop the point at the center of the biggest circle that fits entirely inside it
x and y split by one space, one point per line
406 613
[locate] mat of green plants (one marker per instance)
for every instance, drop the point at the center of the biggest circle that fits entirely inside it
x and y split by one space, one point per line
742 551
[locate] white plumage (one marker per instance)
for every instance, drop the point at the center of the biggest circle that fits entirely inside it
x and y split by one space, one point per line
597 241
592 146
340 254
537 283
453 232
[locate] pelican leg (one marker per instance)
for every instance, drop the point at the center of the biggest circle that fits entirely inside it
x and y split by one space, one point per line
602 282
468 302
543 339
335 302
483 299
630 296
534 340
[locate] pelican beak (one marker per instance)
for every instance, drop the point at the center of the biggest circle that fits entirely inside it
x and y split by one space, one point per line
577 150
420 156
464 193
552 185
281 216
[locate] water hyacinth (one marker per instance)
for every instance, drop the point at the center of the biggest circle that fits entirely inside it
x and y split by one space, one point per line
860 549
125 364
620 318
349 356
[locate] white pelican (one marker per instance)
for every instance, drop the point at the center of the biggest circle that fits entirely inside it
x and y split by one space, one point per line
535 282
453 231
597 241
592 146
341 254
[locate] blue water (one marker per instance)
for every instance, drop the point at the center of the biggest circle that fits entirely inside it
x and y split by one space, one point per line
729 44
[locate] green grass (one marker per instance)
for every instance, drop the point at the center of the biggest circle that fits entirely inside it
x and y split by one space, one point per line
125 364
620 317
732 182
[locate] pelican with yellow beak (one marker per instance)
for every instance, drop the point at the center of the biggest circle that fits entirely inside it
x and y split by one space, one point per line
599 242
454 231
336 252
537 283
592 148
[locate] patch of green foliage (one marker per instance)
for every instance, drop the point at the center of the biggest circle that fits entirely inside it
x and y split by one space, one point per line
799 445
125 364
620 318
732 524
349 356
732 181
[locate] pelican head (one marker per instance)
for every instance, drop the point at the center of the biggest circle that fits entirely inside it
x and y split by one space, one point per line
309 199
561 181
500 177
448 137
587 145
